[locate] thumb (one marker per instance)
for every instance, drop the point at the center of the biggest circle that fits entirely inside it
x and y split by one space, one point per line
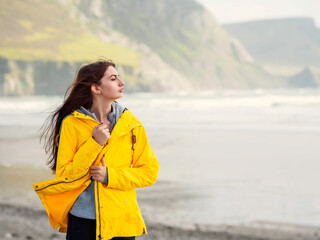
102 161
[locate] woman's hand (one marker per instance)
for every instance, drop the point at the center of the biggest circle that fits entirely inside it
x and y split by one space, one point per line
98 173
101 133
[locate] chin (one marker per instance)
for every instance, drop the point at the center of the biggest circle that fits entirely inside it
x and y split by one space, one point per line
119 96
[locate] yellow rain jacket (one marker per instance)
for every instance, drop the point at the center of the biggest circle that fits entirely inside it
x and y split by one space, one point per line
131 164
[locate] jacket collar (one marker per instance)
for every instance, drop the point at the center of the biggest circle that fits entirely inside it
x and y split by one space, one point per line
126 122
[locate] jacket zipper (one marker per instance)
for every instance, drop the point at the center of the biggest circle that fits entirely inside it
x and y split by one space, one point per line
100 237
133 142
63 181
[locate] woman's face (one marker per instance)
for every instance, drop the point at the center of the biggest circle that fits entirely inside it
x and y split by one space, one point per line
111 86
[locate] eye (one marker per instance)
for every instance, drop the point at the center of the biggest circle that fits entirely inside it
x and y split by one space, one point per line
112 79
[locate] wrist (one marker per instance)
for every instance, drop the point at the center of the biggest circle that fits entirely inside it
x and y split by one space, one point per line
106 179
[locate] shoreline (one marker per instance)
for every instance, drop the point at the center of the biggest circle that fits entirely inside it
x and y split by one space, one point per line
18 222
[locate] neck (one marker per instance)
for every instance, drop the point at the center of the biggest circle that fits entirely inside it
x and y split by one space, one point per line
101 110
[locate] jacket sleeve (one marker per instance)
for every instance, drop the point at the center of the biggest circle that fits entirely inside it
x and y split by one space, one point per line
144 170
72 159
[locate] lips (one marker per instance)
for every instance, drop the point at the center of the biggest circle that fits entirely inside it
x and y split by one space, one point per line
121 90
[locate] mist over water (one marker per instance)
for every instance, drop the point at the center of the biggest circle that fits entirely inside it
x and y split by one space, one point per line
226 157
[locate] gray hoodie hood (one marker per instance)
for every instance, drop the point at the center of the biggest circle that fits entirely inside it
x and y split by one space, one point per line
113 116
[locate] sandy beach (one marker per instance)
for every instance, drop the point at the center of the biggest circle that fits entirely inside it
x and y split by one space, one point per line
22 223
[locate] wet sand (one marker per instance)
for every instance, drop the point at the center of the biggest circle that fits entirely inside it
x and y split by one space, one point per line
23 217
22 223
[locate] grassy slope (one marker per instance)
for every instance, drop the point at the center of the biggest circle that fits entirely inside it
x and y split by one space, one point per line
42 30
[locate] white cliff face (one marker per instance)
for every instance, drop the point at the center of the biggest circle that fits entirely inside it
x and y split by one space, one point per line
96 8
18 80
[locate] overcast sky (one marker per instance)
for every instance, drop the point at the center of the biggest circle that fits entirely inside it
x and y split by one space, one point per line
228 11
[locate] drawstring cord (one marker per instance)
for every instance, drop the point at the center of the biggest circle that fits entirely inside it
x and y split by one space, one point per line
134 139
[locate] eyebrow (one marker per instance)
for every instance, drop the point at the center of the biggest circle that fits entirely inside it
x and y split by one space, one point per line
114 75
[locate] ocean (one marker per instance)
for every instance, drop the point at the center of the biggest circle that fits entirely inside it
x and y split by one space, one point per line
226 156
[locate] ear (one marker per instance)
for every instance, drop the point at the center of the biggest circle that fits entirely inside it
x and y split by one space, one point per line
95 89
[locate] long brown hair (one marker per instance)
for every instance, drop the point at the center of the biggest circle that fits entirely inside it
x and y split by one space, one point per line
78 94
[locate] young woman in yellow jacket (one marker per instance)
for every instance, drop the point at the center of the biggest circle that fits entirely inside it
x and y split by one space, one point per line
100 153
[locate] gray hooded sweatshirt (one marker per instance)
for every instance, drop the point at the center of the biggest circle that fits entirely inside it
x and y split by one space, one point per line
84 206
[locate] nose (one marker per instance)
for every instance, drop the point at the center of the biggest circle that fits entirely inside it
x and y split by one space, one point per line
121 83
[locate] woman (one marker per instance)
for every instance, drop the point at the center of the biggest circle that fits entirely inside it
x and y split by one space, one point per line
100 153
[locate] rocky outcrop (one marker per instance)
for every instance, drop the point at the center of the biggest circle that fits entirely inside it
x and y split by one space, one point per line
304 79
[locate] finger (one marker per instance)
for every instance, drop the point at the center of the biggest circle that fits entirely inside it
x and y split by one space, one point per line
96 179
102 126
102 161
94 167
95 171
99 125
104 130
94 175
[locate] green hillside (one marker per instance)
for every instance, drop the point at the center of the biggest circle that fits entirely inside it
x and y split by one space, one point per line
43 30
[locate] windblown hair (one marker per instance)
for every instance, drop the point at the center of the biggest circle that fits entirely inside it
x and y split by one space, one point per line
78 94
